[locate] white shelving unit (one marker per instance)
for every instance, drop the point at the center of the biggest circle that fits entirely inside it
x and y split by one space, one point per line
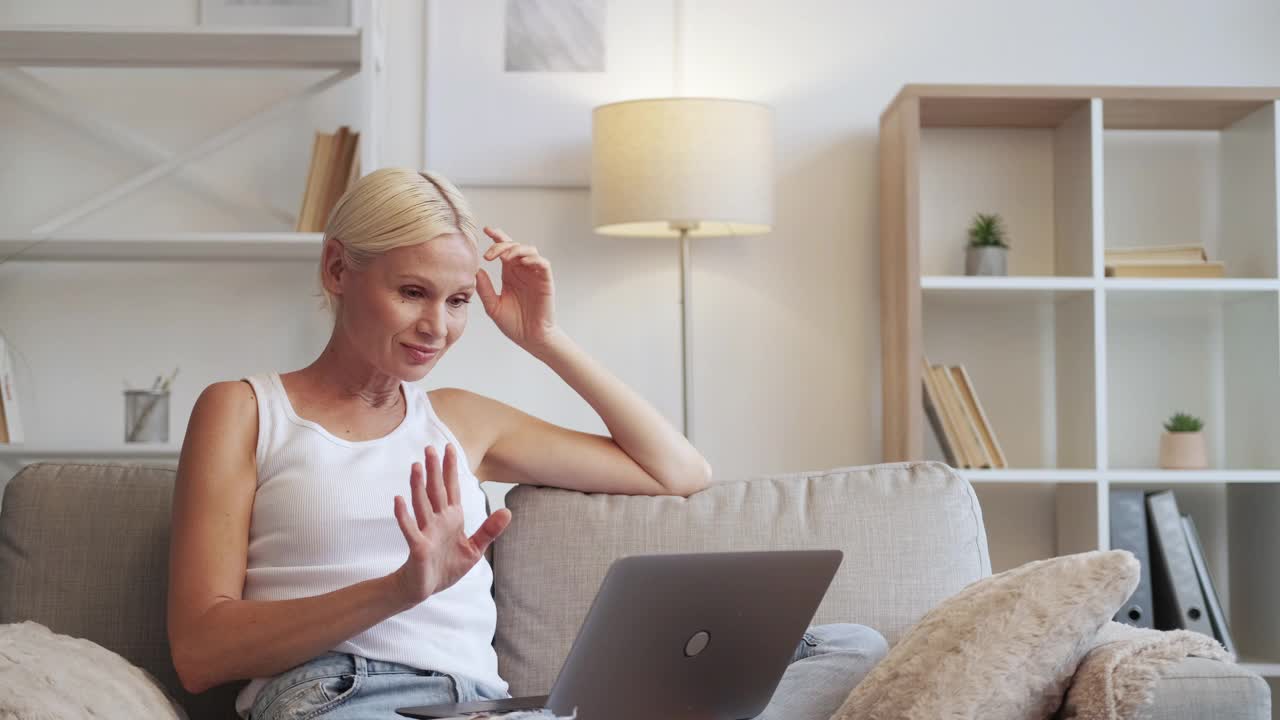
331 56
1078 371
355 53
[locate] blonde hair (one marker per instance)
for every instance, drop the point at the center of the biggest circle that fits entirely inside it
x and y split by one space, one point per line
390 208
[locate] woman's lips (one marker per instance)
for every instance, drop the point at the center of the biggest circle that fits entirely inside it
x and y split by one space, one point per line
418 355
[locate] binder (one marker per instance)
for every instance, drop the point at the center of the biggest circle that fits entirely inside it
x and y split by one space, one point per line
1179 602
1129 532
1216 616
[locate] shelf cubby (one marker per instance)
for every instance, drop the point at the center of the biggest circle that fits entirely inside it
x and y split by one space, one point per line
1193 172
1028 161
1213 354
1030 355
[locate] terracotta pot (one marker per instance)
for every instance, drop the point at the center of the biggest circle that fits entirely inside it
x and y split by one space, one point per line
985 260
1183 451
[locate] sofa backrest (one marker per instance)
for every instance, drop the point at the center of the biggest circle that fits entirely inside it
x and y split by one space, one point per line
912 534
84 551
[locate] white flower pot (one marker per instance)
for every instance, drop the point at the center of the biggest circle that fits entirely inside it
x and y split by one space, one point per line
1183 451
985 260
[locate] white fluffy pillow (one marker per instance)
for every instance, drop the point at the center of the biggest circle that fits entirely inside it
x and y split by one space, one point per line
1003 648
49 676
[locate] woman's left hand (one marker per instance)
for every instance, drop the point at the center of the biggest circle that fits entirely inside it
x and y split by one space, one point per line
523 312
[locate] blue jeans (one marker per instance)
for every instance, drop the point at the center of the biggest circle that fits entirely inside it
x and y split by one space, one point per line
829 661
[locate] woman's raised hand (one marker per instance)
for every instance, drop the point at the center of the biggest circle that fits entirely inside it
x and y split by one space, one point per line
440 552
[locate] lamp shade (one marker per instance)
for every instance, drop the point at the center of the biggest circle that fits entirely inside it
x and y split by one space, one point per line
705 164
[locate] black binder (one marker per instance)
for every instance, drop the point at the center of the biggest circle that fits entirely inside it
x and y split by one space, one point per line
1216 616
1179 602
1129 532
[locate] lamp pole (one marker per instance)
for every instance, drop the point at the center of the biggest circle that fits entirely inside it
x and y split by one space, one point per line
686 321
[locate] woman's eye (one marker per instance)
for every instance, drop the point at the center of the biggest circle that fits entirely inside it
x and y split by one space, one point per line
463 301
411 292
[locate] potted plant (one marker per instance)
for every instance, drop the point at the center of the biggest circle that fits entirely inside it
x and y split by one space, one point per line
1182 445
987 251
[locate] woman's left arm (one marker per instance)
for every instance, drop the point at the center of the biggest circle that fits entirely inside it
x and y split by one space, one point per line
642 439
637 427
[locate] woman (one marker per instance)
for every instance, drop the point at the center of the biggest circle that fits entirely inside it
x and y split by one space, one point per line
300 557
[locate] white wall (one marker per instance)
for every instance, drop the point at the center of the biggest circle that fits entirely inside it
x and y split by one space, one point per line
787 325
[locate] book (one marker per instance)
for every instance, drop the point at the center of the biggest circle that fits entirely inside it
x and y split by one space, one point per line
1155 253
976 412
10 415
1217 618
1215 269
949 418
313 183
1179 601
1129 532
972 424
335 164
973 450
933 411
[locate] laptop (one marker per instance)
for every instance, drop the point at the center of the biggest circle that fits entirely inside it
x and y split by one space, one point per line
690 635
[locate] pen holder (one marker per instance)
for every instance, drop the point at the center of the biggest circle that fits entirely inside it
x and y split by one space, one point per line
146 416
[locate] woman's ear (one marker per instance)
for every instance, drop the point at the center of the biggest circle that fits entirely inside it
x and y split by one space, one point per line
334 265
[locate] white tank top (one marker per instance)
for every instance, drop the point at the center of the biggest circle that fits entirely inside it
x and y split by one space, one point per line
323 518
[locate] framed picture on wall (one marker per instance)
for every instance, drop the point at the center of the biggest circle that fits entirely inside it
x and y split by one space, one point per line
510 85
275 12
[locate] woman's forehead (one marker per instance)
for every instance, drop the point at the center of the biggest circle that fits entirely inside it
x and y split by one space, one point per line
449 260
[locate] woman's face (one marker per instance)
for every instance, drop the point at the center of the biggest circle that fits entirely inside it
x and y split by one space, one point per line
416 295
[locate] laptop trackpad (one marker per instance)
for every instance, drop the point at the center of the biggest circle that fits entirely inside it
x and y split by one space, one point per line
533 702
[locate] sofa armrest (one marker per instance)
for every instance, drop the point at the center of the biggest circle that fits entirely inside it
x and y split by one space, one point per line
1199 688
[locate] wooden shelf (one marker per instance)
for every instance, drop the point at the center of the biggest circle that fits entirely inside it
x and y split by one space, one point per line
1225 285
181 47
1191 477
1038 475
1025 288
169 246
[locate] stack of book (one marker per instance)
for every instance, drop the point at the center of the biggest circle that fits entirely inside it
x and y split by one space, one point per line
10 418
1175 590
335 164
958 420
1178 261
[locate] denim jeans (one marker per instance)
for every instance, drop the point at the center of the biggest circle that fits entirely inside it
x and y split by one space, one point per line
828 662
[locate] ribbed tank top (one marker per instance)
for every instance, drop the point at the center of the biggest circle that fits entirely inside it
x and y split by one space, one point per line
323 518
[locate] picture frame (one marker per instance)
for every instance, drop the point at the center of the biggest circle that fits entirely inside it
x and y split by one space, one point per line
301 13
486 125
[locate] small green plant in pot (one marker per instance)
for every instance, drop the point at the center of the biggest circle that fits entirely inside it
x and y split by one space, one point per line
988 249
1182 445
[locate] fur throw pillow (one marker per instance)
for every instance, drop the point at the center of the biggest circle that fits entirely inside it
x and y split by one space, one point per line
49 676
1003 648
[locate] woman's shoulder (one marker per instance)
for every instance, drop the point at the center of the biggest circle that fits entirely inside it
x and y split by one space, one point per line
223 424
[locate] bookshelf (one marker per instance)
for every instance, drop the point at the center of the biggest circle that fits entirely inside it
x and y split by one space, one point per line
1076 370
291 77
338 55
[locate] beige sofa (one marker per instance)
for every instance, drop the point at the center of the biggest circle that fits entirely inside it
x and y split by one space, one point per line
84 549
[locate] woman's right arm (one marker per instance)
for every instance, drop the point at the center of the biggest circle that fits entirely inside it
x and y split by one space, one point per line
214 635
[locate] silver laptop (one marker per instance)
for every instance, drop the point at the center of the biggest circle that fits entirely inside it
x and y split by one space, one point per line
694 635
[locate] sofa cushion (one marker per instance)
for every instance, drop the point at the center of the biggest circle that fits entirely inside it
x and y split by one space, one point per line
44 674
84 551
911 533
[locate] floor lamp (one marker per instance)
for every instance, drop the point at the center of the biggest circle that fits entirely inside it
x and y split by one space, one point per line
682 167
